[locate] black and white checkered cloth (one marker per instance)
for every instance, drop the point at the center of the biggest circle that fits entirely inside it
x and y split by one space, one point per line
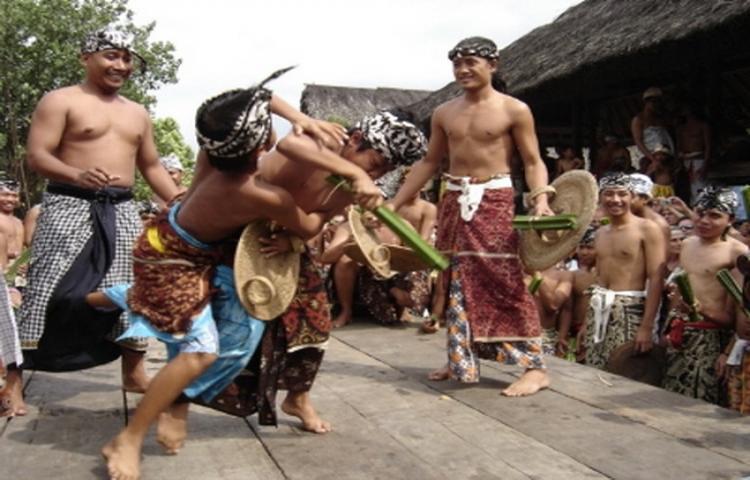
10 347
63 228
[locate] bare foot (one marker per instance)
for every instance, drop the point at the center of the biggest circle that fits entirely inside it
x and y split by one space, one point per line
439 375
430 326
343 318
12 397
530 382
123 458
171 430
299 405
134 377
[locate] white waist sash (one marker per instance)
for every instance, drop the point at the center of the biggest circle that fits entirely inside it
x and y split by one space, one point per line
602 300
472 193
738 350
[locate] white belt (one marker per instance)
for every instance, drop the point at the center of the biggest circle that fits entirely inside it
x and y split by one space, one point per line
472 193
602 300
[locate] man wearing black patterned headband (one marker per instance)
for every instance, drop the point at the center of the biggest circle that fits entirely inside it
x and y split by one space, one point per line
10 225
178 264
695 341
630 262
489 313
88 141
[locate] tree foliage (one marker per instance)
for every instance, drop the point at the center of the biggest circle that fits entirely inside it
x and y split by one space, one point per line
168 140
39 51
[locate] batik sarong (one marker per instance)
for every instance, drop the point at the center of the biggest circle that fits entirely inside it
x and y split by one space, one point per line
376 293
613 318
691 358
489 312
292 347
738 377
10 347
549 341
173 271
83 241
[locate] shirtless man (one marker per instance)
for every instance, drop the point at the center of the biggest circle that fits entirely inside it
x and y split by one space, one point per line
490 312
694 146
10 225
694 346
88 141
552 296
573 315
630 256
29 224
420 214
642 187
177 256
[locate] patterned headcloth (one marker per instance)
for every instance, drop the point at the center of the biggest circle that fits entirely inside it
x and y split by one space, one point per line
7 184
589 236
390 182
171 162
616 180
251 128
476 47
400 142
713 198
641 184
110 38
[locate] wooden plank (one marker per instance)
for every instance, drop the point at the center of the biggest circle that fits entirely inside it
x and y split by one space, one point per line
73 414
458 439
605 441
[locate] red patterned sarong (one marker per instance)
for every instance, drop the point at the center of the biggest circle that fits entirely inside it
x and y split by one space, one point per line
486 265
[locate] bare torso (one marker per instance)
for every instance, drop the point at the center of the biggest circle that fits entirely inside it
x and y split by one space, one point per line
479 135
12 228
102 132
620 255
702 261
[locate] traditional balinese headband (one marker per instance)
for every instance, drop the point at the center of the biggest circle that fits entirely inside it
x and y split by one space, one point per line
251 128
475 46
641 184
400 142
616 180
108 39
713 198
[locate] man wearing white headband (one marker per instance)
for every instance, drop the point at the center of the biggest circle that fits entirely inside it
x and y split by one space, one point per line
641 204
88 141
630 262
489 313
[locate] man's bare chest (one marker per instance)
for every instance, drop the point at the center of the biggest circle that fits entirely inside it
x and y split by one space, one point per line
91 122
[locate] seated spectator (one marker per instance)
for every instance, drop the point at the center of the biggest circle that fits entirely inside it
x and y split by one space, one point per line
570 159
662 170
612 157
650 127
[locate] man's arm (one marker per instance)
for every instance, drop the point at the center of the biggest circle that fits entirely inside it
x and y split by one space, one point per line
655 253
148 163
524 137
429 218
424 169
335 249
329 134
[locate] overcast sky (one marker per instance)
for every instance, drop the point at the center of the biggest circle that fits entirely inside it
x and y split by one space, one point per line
227 44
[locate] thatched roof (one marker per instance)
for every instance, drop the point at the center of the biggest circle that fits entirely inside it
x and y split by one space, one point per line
603 44
348 104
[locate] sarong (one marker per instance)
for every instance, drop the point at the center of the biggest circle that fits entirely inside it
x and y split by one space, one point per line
613 318
694 161
549 341
489 312
292 347
690 366
82 243
375 293
173 271
738 373
654 136
10 347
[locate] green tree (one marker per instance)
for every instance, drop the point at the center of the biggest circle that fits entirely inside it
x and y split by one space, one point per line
39 51
168 140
